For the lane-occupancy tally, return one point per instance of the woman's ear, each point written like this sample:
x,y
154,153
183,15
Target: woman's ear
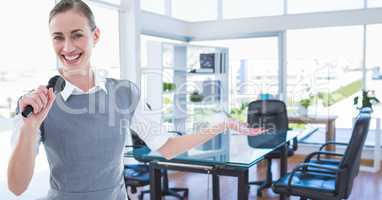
x,y
96,35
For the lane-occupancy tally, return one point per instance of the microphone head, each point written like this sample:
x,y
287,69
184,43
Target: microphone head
x,y
57,83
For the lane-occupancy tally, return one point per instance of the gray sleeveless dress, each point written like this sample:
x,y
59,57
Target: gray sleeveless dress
x,y
84,140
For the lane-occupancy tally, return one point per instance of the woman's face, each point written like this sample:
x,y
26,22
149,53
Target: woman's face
x,y
73,40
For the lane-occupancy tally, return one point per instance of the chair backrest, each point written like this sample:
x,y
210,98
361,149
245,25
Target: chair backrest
x,y
350,162
270,114
137,144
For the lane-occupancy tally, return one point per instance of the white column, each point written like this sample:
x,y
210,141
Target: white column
x,y
167,8
129,40
282,43
364,73
220,9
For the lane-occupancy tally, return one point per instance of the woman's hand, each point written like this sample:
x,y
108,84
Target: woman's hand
x,y
41,100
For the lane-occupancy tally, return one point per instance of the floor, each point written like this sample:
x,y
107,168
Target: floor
x,y
367,185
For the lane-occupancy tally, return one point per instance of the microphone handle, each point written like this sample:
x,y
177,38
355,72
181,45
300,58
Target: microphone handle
x,y
28,110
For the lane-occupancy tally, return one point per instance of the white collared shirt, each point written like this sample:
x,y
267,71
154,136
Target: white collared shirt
x,y
155,135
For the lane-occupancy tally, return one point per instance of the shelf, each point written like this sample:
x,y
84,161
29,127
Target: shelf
x,y
168,93
202,73
176,69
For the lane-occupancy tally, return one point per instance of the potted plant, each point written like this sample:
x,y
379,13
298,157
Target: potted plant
x,y
240,112
368,100
304,105
196,97
168,87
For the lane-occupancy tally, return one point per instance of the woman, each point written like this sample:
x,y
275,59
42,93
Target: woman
x,y
82,135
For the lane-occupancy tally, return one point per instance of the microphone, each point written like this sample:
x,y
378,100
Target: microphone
x,y
57,83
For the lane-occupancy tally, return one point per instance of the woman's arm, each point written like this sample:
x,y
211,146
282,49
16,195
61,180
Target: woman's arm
x,y
177,145
22,161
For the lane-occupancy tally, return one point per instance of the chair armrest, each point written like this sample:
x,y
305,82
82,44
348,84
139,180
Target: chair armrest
x,y
318,153
330,152
304,167
332,143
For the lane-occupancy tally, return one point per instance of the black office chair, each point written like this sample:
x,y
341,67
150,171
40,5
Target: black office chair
x,y
336,160
269,114
321,182
138,175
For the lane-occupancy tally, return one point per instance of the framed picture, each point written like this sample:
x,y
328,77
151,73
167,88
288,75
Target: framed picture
x,y
207,61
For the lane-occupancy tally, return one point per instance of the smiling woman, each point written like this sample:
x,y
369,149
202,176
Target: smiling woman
x,y
74,34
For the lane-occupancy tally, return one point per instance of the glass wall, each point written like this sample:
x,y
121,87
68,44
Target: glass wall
x,y
155,6
27,61
27,57
252,8
374,3
105,56
325,69
374,62
303,6
195,10
202,10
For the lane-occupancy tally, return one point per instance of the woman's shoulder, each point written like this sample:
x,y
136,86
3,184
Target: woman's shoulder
x,y
121,82
122,85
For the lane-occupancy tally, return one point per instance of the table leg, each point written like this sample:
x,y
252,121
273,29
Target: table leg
x,y
330,135
215,187
155,182
242,186
283,164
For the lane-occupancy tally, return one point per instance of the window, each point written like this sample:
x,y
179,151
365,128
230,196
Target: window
x,y
304,6
27,61
106,52
373,73
27,58
325,66
374,62
251,8
155,6
195,10
117,2
374,3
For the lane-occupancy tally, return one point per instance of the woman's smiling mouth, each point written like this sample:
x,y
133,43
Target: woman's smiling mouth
x,y
72,59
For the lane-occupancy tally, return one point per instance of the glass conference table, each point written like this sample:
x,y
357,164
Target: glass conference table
x,y
240,155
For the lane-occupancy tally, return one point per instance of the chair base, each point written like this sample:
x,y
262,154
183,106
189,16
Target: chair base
x,y
174,192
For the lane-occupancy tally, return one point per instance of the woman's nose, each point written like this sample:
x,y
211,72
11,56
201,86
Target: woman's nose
x,y
68,46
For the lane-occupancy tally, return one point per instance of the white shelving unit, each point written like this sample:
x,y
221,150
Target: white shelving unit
x,y
173,63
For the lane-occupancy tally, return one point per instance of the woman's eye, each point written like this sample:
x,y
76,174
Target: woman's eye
x,y
77,36
58,38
